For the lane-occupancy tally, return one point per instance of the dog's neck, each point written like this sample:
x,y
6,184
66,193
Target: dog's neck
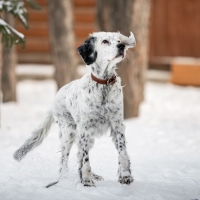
x,y
103,72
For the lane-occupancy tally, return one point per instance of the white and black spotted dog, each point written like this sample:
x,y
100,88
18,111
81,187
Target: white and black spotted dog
x,y
90,106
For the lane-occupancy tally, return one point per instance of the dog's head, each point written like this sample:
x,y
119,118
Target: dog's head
x,y
106,48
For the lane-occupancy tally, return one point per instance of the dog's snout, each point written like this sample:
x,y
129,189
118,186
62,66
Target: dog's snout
x,y
121,46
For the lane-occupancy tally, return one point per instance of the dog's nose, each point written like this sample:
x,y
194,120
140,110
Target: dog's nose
x,y
121,46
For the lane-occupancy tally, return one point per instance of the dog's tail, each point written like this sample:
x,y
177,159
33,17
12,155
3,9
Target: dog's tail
x,y
37,137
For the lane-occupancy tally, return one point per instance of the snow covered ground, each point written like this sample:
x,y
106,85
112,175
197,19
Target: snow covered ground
x,y
163,144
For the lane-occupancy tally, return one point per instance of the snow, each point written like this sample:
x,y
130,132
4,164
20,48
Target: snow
x,y
16,8
20,35
163,145
45,70
9,29
2,22
35,69
158,75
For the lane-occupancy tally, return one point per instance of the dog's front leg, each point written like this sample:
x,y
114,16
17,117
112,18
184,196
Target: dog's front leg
x,y
83,156
124,171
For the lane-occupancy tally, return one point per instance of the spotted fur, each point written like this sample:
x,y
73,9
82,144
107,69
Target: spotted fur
x,y
85,109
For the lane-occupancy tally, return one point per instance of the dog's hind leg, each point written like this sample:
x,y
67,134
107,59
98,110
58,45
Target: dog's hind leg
x,y
85,141
67,137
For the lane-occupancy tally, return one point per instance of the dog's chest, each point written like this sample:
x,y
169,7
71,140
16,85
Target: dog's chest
x,y
93,104
102,102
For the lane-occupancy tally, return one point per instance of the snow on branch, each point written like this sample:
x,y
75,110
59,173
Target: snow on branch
x,y
17,8
10,36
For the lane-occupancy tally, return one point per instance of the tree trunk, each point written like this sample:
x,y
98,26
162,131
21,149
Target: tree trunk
x,y
62,40
9,62
126,16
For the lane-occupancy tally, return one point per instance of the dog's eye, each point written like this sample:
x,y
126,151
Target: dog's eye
x,y
105,42
118,41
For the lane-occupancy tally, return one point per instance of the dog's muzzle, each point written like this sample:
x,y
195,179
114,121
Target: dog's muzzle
x,y
121,48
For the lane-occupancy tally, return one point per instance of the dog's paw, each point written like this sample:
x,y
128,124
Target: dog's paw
x,y
88,183
97,177
126,180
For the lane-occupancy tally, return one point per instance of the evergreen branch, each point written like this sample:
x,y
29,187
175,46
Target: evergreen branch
x,y
10,36
16,8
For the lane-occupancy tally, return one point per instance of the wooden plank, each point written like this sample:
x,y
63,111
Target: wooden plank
x,y
41,2
40,16
34,57
83,30
43,9
84,15
38,32
175,28
84,3
158,37
35,47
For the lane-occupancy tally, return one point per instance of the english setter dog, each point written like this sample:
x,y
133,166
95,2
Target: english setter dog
x,y
90,106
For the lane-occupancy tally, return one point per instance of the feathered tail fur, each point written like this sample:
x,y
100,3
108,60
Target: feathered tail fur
x,y
37,137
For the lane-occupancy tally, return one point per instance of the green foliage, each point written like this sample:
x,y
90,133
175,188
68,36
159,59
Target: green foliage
x,y
17,8
10,36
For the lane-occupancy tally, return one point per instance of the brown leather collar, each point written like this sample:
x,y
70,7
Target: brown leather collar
x,y
109,81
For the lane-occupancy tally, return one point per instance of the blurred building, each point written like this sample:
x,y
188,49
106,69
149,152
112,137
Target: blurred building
x,y
174,32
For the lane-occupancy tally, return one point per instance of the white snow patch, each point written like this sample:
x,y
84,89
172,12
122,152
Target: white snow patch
x,y
35,69
2,22
163,144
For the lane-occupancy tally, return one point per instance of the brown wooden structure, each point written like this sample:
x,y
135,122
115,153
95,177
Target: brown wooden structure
x,y
174,31
37,46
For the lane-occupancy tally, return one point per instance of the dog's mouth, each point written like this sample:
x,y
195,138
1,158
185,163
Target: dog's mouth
x,y
120,54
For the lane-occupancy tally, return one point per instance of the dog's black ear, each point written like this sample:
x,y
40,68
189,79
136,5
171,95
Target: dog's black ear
x,y
87,51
